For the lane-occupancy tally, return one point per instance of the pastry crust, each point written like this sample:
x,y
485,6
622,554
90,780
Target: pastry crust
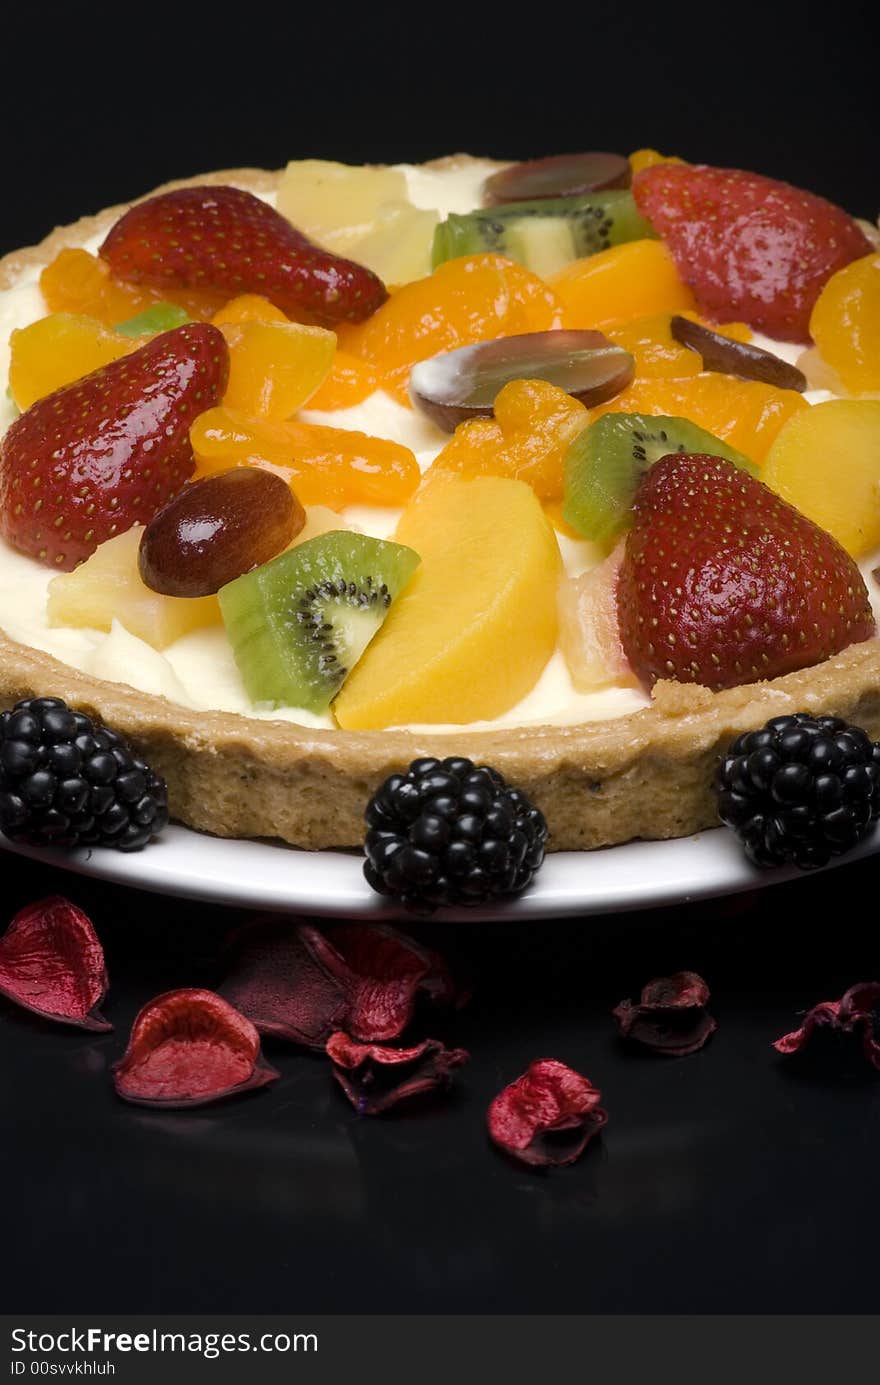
x,y
648,774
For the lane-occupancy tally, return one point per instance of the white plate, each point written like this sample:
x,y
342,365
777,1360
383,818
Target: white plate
x,y
269,875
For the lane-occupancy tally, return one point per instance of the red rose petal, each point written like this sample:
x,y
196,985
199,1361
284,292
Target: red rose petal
x,y
671,1017
51,962
375,1078
547,1116
299,983
858,1009
188,1047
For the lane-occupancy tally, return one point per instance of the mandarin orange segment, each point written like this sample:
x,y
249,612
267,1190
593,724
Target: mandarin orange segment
x,y
658,356
745,413
275,367
527,439
474,298
78,282
58,349
325,466
350,382
249,307
630,280
845,324
647,158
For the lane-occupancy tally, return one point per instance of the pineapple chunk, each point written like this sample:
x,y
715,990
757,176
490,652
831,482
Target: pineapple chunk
x,y
398,248
108,587
337,204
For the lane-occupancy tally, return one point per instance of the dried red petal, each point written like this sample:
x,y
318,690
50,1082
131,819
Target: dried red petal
x,y
51,962
375,1078
547,1116
188,1047
298,983
858,1009
671,1017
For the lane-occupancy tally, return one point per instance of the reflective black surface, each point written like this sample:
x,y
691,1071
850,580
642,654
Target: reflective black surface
x,y
732,1180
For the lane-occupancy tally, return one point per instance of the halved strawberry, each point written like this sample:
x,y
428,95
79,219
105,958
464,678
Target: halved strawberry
x,y
723,582
750,247
224,238
108,451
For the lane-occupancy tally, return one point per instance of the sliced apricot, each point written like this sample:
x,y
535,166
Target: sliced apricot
x,y
527,439
745,413
325,466
474,298
249,307
78,282
58,349
350,382
630,280
275,367
845,324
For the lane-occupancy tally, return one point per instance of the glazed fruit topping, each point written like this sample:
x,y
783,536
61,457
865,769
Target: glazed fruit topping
x,y
463,384
800,790
216,529
845,325
723,583
750,247
450,832
107,451
52,963
548,1116
67,781
740,358
560,175
189,1047
228,240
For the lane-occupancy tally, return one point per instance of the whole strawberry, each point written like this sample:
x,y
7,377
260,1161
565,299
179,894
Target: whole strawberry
x,y
722,582
751,248
108,451
224,238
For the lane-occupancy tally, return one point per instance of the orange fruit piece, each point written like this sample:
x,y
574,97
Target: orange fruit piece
x,y
350,382
474,298
325,466
77,282
275,367
845,324
249,307
658,355
630,280
527,439
647,158
746,413
58,349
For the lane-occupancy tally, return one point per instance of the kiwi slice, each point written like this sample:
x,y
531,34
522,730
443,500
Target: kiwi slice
x,y
161,317
546,234
606,462
299,624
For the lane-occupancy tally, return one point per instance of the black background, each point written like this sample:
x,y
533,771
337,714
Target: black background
x,y
729,1181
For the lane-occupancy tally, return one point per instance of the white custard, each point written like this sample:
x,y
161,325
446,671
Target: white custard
x,y
199,670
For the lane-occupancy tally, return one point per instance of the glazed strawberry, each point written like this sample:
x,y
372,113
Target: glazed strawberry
x,y
751,248
108,451
723,582
224,238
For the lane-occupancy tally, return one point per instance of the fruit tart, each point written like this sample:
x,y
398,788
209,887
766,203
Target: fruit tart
x,y
568,466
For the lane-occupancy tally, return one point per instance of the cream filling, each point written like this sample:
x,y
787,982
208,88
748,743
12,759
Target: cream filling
x,y
199,670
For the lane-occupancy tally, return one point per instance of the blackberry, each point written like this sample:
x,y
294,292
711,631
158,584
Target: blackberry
x,y
800,790
448,832
67,781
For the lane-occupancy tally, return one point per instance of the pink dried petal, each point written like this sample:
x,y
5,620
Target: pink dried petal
x,y
52,962
547,1116
281,980
670,1017
188,1047
376,1078
858,1009
299,983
